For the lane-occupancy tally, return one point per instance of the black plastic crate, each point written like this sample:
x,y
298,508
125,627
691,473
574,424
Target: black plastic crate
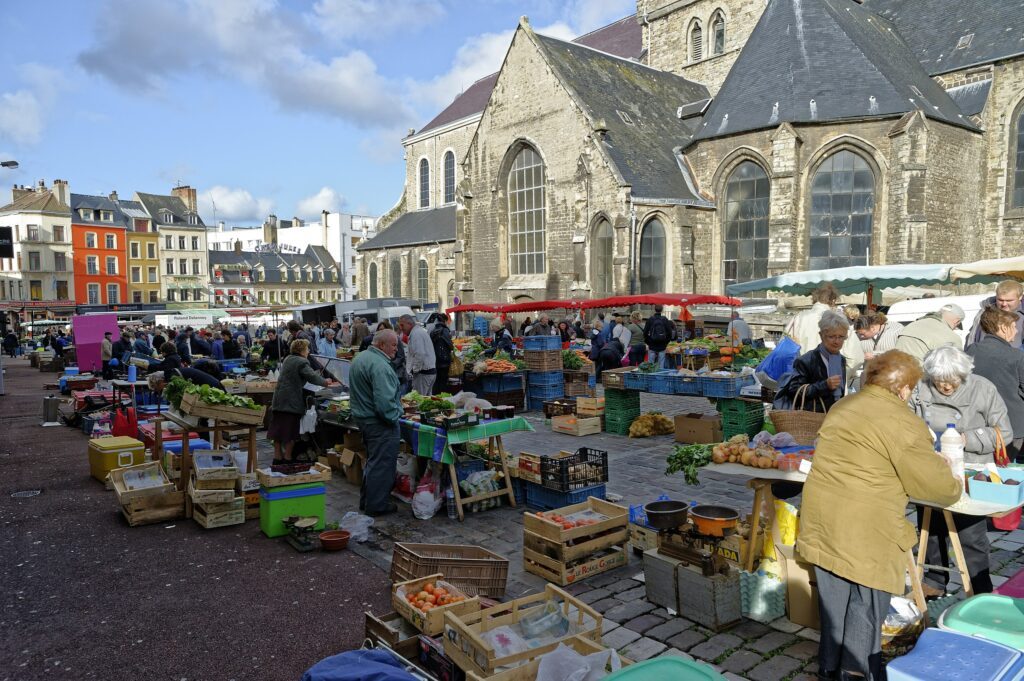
x,y
567,472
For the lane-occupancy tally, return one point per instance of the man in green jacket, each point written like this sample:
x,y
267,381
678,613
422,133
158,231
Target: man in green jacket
x,y
376,407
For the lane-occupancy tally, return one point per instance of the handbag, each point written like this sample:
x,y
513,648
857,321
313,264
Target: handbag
x,y
802,425
1010,521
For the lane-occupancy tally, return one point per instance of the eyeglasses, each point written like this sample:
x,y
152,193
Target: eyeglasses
x,y
834,338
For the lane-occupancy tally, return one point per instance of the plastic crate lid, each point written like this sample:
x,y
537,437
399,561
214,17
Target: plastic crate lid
x,y
950,656
659,669
174,446
990,616
115,443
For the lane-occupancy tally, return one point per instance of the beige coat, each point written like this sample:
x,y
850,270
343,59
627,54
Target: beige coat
x,y
926,334
873,453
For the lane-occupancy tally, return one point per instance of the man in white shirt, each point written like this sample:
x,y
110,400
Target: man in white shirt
x,y
419,354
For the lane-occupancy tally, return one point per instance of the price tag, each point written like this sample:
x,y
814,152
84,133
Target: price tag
x,y
805,466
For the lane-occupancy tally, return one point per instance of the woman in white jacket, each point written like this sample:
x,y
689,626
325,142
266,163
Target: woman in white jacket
x,y
803,329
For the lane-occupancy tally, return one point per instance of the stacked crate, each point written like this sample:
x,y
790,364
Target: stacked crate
x,y
544,362
564,554
741,416
621,407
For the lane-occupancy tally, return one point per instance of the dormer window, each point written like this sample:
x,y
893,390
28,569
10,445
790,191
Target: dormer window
x,y
86,213
106,216
193,219
166,217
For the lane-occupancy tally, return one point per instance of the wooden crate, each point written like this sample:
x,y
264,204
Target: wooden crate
x,y
529,467
210,496
574,425
543,360
528,670
321,474
193,406
580,548
589,406
393,631
210,516
124,494
618,517
579,390
214,474
430,623
614,378
563,574
464,644
155,508
642,538
472,569
260,387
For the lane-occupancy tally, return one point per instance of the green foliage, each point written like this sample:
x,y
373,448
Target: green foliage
x,y
175,390
688,459
211,395
647,368
571,361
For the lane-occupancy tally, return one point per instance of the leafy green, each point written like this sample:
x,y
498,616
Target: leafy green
x,y
211,395
501,354
571,361
647,367
688,459
175,390
436,404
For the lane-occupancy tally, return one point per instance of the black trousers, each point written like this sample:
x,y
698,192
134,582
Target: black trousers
x,y
851,626
974,541
381,440
108,373
441,381
1015,449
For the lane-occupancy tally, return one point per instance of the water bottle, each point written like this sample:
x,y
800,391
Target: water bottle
x,y
449,500
133,373
951,445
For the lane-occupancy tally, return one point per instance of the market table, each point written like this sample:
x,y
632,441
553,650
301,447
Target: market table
x,y
121,387
435,443
764,477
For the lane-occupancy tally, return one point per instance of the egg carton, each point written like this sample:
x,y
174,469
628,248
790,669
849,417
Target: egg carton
x,y
762,598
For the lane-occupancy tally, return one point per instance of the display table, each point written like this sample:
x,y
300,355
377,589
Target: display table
x,y
435,444
120,388
764,477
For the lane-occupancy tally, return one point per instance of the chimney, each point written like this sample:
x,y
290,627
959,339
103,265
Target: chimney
x,y
60,191
270,230
220,226
238,246
18,191
188,195
113,196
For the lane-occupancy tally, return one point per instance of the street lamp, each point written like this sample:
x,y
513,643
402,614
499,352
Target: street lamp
x,y
9,164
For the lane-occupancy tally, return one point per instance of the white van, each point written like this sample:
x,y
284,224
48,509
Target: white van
x,y
374,315
907,311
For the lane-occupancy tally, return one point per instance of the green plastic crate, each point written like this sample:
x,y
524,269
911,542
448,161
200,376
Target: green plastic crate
x,y
277,503
739,406
617,427
617,397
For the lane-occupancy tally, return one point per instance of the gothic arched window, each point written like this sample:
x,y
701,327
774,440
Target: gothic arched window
x,y
842,212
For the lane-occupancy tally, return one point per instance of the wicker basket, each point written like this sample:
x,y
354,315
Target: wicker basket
x,y
473,569
802,425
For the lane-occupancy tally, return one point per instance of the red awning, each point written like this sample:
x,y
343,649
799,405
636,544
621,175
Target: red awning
x,y
475,307
219,292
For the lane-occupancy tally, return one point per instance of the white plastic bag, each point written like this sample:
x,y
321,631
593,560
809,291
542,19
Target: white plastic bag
x,y
565,664
428,497
357,525
405,477
308,422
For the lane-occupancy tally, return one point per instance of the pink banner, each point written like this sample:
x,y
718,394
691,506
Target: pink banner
x,y
89,330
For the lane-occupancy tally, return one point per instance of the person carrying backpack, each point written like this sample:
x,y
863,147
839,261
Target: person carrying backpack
x,y
441,338
658,332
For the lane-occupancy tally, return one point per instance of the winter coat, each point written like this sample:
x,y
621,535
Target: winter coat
x,y
975,409
803,328
295,372
374,387
853,512
1003,365
670,332
420,351
106,350
884,341
539,329
926,334
810,369
360,331
975,334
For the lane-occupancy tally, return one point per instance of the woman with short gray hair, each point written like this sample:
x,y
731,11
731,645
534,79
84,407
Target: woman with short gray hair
x,y
822,370
951,394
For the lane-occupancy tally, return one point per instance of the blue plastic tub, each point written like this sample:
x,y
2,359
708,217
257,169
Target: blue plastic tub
x,y
989,616
997,492
466,467
194,444
499,383
722,386
635,380
664,668
545,378
546,392
951,656
662,382
687,385
535,403
542,343
538,496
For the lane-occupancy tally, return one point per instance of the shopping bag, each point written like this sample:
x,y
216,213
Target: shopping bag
x,y
125,423
1010,521
308,422
781,359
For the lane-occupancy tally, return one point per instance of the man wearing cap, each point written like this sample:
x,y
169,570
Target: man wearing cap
x,y
932,331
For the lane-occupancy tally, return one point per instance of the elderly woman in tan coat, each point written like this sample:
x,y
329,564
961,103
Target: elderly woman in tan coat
x,y
872,454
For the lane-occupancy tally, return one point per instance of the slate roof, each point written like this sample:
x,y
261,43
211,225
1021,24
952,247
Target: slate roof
x,y
436,225
623,38
971,98
45,201
638,105
154,203
827,60
933,29
313,257
80,201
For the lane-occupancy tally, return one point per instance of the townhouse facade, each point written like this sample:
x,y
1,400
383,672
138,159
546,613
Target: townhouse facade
x,y
98,240
185,273
42,268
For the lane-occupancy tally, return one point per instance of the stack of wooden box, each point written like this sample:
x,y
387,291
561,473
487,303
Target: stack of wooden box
x,y
575,542
212,491
145,494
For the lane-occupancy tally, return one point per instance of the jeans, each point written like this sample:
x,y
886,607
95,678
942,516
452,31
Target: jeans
x,y
381,440
851,625
657,357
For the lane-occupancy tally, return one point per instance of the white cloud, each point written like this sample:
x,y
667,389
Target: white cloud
x,y
233,205
344,19
256,41
327,199
24,112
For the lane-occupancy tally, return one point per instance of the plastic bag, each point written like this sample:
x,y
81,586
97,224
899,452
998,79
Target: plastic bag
x,y
780,360
357,524
902,626
428,497
565,664
308,422
786,522
405,477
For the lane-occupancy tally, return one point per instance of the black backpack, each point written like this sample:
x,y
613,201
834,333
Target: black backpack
x,y
659,331
442,347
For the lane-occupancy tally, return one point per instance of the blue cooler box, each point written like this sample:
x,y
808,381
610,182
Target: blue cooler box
x,y
950,656
174,446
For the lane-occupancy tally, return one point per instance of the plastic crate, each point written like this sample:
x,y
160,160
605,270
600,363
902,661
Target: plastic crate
x,y
740,406
579,390
466,467
538,496
543,360
941,655
762,597
542,343
592,381
724,386
636,380
545,378
585,467
621,398
481,325
508,398
535,403
546,392
687,385
519,491
617,427
498,383
475,570
662,382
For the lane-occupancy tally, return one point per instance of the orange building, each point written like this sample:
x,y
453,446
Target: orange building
x,y
100,256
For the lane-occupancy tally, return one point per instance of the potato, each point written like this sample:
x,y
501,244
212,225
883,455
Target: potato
x,y
718,456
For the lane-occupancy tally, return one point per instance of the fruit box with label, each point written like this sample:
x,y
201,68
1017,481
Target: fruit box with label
x,y
423,614
575,542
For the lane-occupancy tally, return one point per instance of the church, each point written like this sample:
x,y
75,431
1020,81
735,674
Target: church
x,y
701,143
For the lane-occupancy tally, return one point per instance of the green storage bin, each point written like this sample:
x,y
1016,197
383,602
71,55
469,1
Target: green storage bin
x,y
661,668
989,616
277,503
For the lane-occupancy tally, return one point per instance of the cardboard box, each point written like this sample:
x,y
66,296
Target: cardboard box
x,y
698,428
801,587
353,440
352,462
433,659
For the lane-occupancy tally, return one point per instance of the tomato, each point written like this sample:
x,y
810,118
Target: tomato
x,y
429,587
422,596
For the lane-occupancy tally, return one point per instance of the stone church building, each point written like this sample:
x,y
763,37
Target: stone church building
x,y
705,142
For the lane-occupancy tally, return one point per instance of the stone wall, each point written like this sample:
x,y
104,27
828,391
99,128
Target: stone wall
x,y
440,271
433,148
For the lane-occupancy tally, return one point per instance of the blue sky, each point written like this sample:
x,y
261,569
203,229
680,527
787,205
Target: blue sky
x,y
286,106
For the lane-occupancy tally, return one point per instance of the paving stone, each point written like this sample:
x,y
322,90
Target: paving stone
x,y
675,652
619,637
594,595
811,668
749,629
644,622
667,630
783,624
620,585
606,579
741,660
999,580
772,641
1008,545
644,649
729,676
627,611
686,639
606,604
632,594
662,612
713,648
774,668
804,676
804,650
608,625
578,588
809,634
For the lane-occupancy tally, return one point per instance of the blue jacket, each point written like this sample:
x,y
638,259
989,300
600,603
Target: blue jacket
x,y
218,349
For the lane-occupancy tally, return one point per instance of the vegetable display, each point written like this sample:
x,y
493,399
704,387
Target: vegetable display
x,y
688,459
498,366
175,390
650,424
211,395
571,361
647,367
737,450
